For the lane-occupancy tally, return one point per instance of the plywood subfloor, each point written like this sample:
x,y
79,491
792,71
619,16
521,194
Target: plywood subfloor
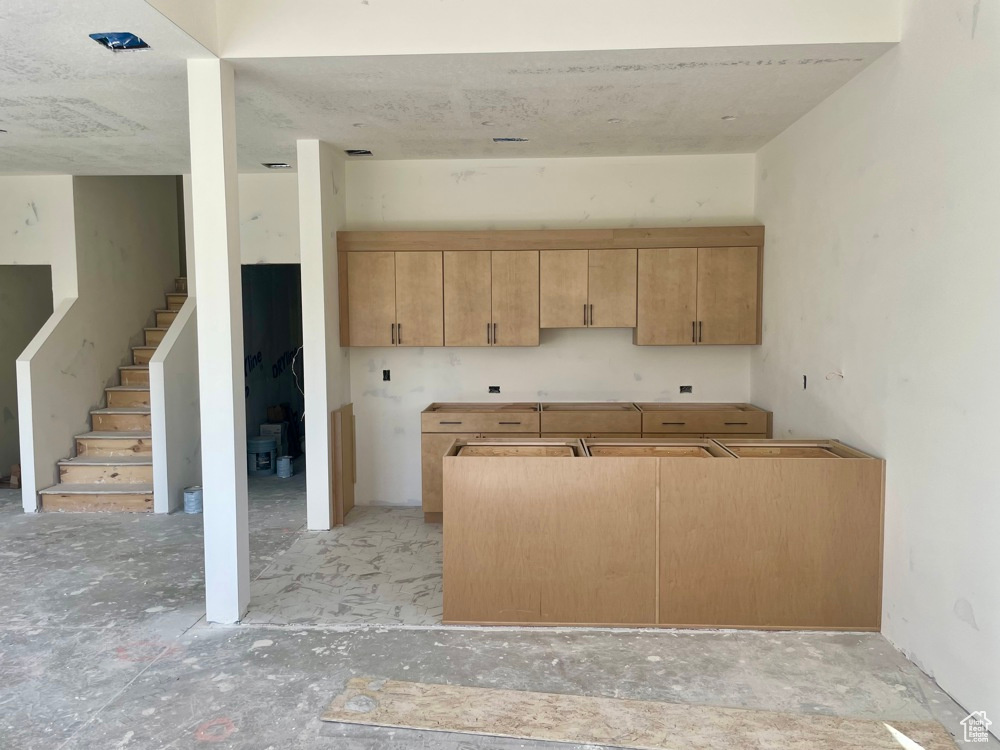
x,y
645,725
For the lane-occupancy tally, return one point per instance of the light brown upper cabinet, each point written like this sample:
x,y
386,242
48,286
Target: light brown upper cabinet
x,y
708,295
395,299
491,298
588,288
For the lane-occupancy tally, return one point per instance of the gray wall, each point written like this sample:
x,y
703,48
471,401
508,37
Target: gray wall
x,y
25,305
272,332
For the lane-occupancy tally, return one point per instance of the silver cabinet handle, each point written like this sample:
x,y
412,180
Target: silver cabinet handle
x,y
694,335
699,331
509,423
399,333
494,334
735,423
591,315
673,424
392,329
585,313
442,422
488,334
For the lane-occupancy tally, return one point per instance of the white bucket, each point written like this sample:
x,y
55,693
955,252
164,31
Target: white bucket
x,y
192,499
284,467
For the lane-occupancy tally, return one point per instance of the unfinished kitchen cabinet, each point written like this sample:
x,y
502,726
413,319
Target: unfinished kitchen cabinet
x,y
514,305
787,535
691,296
588,288
490,298
442,424
590,419
728,295
395,299
706,420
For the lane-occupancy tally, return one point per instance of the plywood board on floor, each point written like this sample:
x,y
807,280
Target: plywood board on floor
x,y
594,720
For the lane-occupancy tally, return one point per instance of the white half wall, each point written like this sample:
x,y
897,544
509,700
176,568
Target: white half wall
x,y
881,285
176,417
269,218
326,371
570,365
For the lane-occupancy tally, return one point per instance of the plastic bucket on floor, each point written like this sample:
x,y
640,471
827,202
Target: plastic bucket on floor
x,y
284,467
193,499
262,454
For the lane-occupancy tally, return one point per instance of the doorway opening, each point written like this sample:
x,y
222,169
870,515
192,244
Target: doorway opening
x,y
25,305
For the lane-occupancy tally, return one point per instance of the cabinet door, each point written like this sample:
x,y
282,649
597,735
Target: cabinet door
x,y
515,297
728,294
371,294
433,446
612,288
419,299
667,296
468,312
563,278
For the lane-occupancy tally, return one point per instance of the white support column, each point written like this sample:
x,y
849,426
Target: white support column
x,y
215,204
322,207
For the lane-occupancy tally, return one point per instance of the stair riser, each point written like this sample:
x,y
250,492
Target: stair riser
x,y
153,338
140,503
120,422
120,474
119,399
176,301
181,285
142,356
164,319
135,377
111,447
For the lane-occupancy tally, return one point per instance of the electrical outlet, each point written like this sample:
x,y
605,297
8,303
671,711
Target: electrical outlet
x,y
385,375
687,389
494,389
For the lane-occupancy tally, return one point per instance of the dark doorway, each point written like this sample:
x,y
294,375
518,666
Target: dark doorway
x,y
272,336
25,305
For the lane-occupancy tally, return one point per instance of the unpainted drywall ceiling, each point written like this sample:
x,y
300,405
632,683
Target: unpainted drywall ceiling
x,y
70,106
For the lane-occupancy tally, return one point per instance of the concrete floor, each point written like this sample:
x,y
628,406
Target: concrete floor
x,y
102,645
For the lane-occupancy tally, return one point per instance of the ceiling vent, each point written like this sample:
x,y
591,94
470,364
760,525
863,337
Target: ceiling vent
x,y
119,41
510,140
276,165
358,152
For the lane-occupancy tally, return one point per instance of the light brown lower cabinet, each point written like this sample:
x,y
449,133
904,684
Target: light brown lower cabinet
x,y
697,533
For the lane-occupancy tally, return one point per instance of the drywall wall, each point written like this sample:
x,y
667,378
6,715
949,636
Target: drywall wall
x,y
326,371
127,256
269,218
881,285
259,28
176,407
25,305
569,365
36,227
272,334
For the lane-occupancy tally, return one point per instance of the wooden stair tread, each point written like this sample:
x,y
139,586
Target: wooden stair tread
x,y
129,388
139,460
133,367
97,489
166,311
116,434
144,346
155,328
123,410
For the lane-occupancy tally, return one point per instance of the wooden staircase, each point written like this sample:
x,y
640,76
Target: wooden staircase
x,y
113,466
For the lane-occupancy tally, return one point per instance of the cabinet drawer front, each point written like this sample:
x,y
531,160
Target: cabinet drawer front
x,y
479,422
722,421
591,421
